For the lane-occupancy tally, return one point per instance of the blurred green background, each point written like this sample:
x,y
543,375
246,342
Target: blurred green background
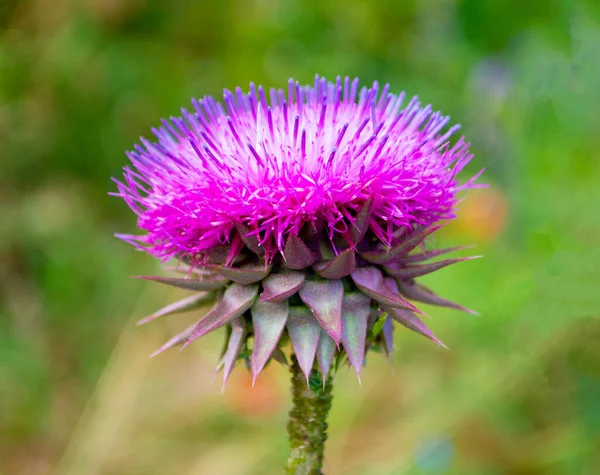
x,y
519,390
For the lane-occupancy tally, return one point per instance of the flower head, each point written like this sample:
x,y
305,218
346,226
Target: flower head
x,y
309,155
317,195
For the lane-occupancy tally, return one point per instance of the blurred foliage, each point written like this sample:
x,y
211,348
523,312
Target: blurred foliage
x,y
519,391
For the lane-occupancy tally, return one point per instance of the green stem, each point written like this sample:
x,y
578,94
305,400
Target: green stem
x,y
307,426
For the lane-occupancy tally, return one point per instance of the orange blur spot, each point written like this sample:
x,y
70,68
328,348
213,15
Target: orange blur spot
x,y
483,215
262,399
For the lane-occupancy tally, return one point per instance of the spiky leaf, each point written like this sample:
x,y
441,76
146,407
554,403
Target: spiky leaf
x,y
340,266
370,282
420,293
399,250
279,287
410,272
236,340
412,322
361,225
176,340
268,320
388,336
304,331
425,256
250,240
245,274
182,268
296,254
355,315
408,318
180,306
236,300
324,298
223,254
325,353
213,283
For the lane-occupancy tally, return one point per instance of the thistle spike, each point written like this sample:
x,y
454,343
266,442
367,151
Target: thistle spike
x,y
214,283
223,254
236,341
412,322
296,254
304,331
279,287
268,321
370,282
179,338
430,254
245,274
400,250
325,301
388,336
340,266
410,272
325,353
180,306
183,268
235,301
420,293
250,240
361,224
355,316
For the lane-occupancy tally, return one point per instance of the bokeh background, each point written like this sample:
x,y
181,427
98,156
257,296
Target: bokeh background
x,y
519,391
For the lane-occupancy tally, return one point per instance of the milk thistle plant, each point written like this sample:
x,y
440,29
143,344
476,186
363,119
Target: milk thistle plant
x,y
301,215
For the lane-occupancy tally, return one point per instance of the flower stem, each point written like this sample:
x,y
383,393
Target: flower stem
x,y
307,426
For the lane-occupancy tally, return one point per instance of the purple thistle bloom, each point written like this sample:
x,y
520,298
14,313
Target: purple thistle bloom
x,y
318,196
311,155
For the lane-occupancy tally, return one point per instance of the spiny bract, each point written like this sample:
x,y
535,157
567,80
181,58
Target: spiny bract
x,y
298,217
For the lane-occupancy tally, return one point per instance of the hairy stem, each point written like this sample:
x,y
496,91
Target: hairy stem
x,y
307,426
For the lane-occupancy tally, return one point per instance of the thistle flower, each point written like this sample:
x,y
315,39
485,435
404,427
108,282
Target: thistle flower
x,y
302,216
